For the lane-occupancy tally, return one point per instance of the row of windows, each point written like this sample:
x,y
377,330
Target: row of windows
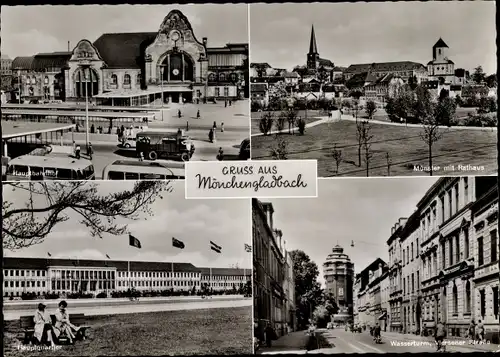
x,y
411,288
149,274
127,79
233,77
18,272
83,274
22,284
33,80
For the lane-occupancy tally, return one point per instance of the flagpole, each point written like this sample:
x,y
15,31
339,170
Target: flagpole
x,y
210,286
128,274
172,276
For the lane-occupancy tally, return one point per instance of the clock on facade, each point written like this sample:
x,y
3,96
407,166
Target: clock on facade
x,y
175,36
175,71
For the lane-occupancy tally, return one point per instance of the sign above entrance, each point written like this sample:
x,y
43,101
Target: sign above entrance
x,y
84,53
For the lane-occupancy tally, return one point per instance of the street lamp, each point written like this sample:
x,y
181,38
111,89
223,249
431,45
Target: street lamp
x,y
84,67
162,71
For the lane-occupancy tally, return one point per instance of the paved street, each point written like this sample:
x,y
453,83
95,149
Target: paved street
x,y
294,342
140,306
347,342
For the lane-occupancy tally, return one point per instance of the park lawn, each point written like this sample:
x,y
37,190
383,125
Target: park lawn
x,y
208,331
404,145
312,116
461,114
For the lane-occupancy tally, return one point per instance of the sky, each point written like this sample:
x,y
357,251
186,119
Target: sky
x,y
355,33
195,222
27,30
355,209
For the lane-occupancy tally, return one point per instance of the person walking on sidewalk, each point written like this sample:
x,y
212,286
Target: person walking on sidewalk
x,y
471,333
220,156
74,148
222,127
77,152
479,331
198,116
439,335
90,151
268,333
211,135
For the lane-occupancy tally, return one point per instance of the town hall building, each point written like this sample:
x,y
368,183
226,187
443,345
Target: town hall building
x,y
137,68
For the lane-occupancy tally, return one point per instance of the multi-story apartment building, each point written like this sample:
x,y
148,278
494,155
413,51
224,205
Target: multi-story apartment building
x,y
484,296
355,301
395,321
268,270
409,238
65,276
385,296
370,296
446,260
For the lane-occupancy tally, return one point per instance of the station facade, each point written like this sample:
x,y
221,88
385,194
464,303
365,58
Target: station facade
x,y
171,64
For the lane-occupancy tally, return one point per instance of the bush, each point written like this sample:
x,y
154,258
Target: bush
x,y
481,120
255,106
28,296
301,123
51,296
266,123
80,295
102,295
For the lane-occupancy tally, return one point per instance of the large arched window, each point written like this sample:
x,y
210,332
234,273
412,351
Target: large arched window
x,y
46,80
211,77
455,298
114,79
139,79
126,79
178,67
222,77
33,80
86,82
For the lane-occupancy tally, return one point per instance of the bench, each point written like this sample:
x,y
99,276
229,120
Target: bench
x,y
28,326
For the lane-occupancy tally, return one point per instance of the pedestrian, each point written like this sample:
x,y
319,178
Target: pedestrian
x,y
90,151
179,114
222,127
230,102
472,330
198,114
92,129
74,148
77,152
439,335
269,332
77,127
220,155
141,156
211,135
480,331
225,103
214,126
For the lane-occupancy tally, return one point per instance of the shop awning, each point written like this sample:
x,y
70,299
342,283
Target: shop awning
x,y
383,316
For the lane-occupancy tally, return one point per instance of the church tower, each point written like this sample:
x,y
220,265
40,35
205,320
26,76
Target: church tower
x,y
313,55
440,51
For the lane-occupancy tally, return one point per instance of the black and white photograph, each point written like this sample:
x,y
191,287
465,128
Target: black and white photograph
x,y
381,265
376,89
128,268
123,92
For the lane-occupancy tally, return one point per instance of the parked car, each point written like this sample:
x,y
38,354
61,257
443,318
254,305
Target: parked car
x,y
129,143
244,149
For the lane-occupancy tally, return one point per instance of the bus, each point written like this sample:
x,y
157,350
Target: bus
x,y
157,144
49,167
141,170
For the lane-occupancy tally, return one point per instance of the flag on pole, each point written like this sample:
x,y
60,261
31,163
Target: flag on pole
x,y
248,248
107,256
177,243
49,254
215,247
134,242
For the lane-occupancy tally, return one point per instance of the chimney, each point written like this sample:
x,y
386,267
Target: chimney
x,y
268,207
69,46
205,42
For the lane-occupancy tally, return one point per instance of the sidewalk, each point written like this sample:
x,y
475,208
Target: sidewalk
x,y
464,341
295,341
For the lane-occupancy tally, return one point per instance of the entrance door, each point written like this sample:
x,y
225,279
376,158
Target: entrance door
x,y
175,97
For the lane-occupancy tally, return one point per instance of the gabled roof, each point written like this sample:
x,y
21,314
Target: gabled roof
x,y
123,50
51,60
440,43
226,271
358,80
326,62
264,65
291,75
384,66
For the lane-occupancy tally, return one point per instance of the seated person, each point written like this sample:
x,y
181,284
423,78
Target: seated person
x,y
43,326
63,325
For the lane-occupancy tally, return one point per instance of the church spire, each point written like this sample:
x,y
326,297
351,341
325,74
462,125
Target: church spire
x,y
312,45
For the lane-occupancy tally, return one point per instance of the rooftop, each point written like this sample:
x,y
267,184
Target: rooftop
x,y
11,129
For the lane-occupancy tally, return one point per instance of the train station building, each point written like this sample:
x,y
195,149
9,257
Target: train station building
x,y
130,68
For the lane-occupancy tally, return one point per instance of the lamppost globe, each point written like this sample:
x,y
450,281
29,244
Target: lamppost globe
x,y
86,66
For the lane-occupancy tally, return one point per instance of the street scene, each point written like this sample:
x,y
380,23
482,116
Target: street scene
x,y
110,102
130,269
368,96
422,270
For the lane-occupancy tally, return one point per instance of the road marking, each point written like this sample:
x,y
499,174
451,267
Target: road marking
x,y
373,348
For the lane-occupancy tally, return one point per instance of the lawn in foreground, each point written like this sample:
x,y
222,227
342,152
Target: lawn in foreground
x,y
207,331
404,145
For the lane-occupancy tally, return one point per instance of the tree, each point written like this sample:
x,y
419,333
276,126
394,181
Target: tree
x,y
279,151
445,111
291,118
430,134
445,93
30,223
301,123
478,76
422,106
323,76
412,82
370,109
356,108
280,121
491,80
308,293
337,156
266,123
366,140
389,163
